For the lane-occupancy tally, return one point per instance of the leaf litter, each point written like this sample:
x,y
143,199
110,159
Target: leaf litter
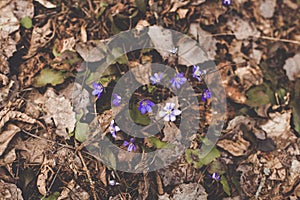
x,y
260,141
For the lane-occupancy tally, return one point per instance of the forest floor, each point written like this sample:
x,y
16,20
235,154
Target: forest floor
x,y
150,99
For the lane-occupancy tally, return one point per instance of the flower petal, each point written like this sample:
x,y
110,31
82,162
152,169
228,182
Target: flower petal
x,y
125,144
176,112
117,128
167,118
172,118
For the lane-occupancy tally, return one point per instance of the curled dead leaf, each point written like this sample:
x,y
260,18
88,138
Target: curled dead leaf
x,y
238,147
10,191
278,128
41,36
7,135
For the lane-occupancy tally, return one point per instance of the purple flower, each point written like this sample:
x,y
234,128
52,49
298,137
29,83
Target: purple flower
x,y
178,80
156,78
206,95
130,145
226,2
113,129
215,176
98,89
169,113
117,100
146,106
197,73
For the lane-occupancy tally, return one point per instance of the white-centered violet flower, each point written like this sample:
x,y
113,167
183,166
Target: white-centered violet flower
x,y
178,80
197,73
113,129
169,112
156,78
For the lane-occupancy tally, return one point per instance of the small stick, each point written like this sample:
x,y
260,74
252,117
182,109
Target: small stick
x,y
88,174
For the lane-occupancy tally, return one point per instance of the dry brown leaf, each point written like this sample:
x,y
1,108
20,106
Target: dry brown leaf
x,y
78,96
238,146
10,191
291,4
162,40
278,128
8,21
73,191
182,13
46,4
141,72
92,51
189,53
68,44
8,158
59,111
193,191
33,150
7,135
292,67
7,48
45,176
103,175
177,4
5,90
267,8
171,132
249,76
41,36
206,41
23,8
242,29
250,123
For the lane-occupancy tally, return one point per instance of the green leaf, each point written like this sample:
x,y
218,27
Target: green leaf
x,y
193,157
111,157
225,185
26,22
258,96
81,131
137,117
159,144
141,5
213,154
48,76
151,88
216,166
53,196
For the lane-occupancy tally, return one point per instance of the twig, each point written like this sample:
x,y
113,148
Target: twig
x,y
259,37
88,174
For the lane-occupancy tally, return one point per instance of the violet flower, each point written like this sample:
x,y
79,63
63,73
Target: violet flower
x,y
113,129
117,100
226,2
130,144
98,89
156,78
197,73
178,80
215,176
146,106
169,113
206,95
